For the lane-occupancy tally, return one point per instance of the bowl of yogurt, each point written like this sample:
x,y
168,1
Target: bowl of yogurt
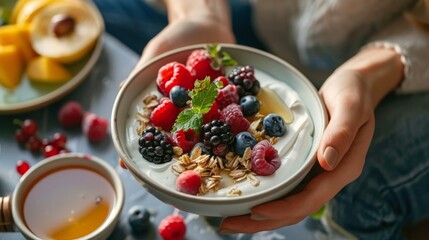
x,y
232,175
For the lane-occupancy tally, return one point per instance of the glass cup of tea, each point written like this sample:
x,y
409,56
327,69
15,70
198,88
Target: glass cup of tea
x,y
68,196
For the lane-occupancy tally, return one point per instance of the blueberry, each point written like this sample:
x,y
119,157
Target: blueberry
x,y
203,149
249,105
274,125
242,141
179,96
139,218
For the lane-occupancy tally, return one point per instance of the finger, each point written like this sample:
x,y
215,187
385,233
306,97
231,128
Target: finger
x,y
346,117
322,188
244,224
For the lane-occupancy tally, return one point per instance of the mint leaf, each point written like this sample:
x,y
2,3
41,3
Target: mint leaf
x,y
219,58
188,119
203,101
227,60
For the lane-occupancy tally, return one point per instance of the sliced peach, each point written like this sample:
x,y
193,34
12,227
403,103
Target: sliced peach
x,y
25,10
11,66
46,70
18,35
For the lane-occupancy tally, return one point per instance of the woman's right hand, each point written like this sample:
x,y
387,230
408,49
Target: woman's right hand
x,y
191,22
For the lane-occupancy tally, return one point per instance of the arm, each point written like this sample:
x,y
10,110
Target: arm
x,y
351,94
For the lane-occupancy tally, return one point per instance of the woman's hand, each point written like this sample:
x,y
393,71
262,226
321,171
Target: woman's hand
x,y
350,94
191,22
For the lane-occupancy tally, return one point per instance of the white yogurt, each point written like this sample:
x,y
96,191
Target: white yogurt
x,y
293,148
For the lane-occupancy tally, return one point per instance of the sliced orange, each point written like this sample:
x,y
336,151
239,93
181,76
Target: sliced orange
x,y
46,70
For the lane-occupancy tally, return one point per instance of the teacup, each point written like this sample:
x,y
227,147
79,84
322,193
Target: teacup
x,y
68,196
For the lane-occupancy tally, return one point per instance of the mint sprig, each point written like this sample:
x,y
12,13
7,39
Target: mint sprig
x,y
219,58
202,98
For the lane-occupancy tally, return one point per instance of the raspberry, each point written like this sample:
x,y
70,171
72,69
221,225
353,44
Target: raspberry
x,y
174,74
70,114
172,227
188,182
244,78
185,139
164,115
155,146
201,65
226,96
29,127
212,114
215,133
223,80
265,159
22,167
233,116
94,127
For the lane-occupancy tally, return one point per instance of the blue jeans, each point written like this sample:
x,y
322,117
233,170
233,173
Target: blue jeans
x,y
393,188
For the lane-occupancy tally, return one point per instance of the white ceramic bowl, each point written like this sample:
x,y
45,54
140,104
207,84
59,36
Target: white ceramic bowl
x,y
222,206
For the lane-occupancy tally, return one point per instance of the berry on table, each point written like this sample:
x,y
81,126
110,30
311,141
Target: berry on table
x,y
70,114
226,96
172,227
273,125
50,150
174,74
95,127
265,159
59,140
20,136
242,141
250,105
215,133
155,146
29,127
186,139
139,218
34,144
164,115
188,182
179,96
244,78
22,167
233,116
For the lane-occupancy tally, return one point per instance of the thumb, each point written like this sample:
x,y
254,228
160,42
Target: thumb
x,y
338,136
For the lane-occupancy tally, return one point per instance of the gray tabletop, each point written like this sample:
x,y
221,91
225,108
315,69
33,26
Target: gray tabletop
x,y
97,94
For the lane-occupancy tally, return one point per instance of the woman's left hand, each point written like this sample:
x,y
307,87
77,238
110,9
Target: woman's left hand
x,y
350,96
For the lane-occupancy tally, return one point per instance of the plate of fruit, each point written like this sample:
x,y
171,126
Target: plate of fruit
x,y
47,47
217,129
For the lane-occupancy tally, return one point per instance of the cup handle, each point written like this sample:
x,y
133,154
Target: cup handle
x,y
6,220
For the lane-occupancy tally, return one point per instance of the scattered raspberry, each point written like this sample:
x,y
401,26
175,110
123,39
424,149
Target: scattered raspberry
x,y
223,80
29,127
212,114
22,167
185,139
94,127
201,65
71,114
174,74
164,115
188,182
233,116
226,96
265,159
34,144
50,150
172,227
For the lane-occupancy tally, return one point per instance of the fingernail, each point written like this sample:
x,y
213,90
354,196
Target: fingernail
x,y
331,156
226,231
258,217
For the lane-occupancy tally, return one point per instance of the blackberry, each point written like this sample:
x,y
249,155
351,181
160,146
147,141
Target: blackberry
x,y
244,78
155,146
216,133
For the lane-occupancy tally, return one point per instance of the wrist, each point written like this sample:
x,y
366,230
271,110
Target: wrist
x,y
204,10
381,69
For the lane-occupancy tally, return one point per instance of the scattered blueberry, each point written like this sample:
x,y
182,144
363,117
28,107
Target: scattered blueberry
x,y
249,105
203,149
179,96
139,218
274,125
242,141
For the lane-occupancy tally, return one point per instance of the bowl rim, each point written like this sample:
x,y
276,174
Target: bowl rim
x,y
201,199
